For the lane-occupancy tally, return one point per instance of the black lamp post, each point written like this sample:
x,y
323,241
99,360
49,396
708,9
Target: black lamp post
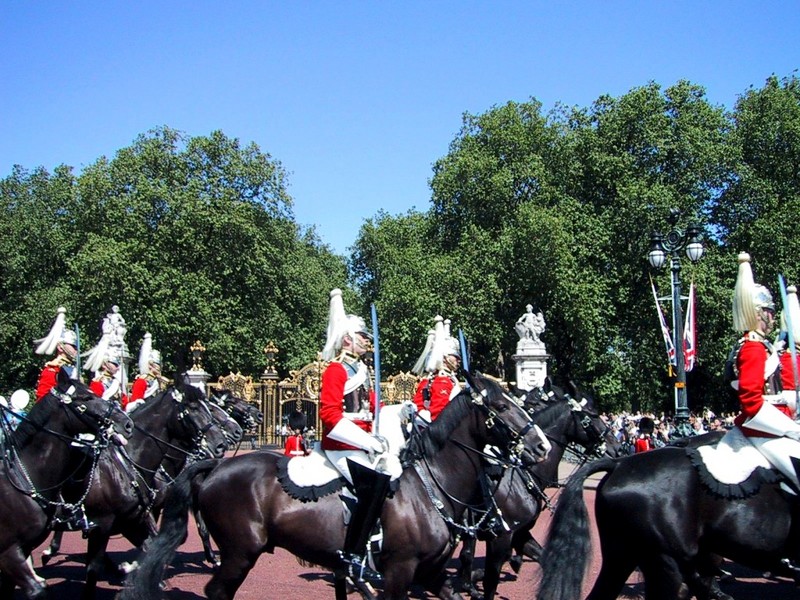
x,y
671,245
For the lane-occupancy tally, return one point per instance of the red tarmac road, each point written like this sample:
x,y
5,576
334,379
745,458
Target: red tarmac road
x,y
280,576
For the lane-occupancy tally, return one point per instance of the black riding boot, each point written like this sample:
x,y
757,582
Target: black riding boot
x,y
371,488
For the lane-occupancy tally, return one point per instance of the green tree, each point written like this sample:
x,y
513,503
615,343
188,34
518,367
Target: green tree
x,y
192,238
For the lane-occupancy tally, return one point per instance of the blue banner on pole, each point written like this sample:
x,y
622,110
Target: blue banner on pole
x,y
377,367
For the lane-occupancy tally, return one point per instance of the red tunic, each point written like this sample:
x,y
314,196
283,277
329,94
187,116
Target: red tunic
x,y
787,374
295,446
47,380
440,389
751,362
98,387
49,376
643,444
332,405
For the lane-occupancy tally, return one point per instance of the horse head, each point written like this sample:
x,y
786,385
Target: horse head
x,y
87,412
195,421
232,430
243,412
509,426
599,439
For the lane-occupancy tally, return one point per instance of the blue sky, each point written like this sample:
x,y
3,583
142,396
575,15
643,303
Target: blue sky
x,y
357,100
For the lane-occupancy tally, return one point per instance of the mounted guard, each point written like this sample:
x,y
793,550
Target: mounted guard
x,y
347,410
149,381
766,418
442,361
62,341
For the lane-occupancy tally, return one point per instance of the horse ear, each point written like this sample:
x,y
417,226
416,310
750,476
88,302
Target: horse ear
x,y
472,380
574,389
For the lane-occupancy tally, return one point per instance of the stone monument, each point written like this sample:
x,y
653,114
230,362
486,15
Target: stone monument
x,y
197,376
531,357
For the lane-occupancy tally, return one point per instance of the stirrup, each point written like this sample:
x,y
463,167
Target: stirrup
x,y
791,568
357,568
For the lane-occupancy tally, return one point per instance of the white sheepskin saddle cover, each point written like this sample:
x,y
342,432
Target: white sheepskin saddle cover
x,y
733,459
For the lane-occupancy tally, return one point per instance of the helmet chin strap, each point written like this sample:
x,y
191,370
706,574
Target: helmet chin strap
x,y
766,325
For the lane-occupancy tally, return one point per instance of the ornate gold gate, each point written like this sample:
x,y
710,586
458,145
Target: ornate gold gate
x,y
277,398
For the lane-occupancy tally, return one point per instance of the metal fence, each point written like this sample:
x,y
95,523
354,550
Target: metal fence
x,y
277,398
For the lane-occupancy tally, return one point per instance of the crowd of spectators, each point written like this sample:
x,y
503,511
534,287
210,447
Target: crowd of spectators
x,y
625,426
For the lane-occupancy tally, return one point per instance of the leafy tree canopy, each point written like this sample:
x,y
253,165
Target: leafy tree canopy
x,y
193,238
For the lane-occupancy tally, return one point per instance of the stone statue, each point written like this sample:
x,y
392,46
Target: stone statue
x,y
530,326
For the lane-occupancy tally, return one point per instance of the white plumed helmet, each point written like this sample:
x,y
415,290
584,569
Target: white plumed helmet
x,y
147,355
443,345
59,334
419,366
748,297
339,325
793,309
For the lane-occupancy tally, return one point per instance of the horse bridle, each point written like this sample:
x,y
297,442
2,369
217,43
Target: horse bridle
x,y
515,448
200,443
103,421
104,424
596,438
516,439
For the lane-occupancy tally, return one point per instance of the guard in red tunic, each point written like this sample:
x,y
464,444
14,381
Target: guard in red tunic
x,y
65,344
645,440
295,443
440,384
107,383
149,381
765,418
347,407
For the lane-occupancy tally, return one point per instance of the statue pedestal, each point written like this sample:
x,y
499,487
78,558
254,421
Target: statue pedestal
x,y
198,379
531,364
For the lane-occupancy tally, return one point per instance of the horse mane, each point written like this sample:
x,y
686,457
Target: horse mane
x,y
35,420
433,438
545,417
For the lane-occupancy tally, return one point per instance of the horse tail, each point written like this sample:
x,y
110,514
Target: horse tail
x,y
566,553
144,582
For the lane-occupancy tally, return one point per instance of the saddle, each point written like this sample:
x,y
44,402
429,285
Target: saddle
x,y
733,468
309,478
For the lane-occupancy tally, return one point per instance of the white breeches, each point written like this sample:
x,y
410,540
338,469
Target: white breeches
x,y
384,463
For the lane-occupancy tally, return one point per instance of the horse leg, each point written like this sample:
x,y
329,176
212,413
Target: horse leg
x,y
18,571
663,579
202,530
498,551
230,575
525,544
53,548
466,558
613,575
397,578
96,558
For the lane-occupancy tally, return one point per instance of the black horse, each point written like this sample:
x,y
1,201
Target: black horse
x,y
244,413
37,461
566,419
248,417
248,512
125,485
654,512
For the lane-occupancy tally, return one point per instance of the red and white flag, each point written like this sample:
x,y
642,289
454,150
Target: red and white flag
x,y
664,329
690,333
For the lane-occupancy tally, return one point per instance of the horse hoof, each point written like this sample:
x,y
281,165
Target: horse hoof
x,y
516,563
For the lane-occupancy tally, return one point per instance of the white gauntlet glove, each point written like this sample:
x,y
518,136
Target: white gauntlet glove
x,y
407,410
